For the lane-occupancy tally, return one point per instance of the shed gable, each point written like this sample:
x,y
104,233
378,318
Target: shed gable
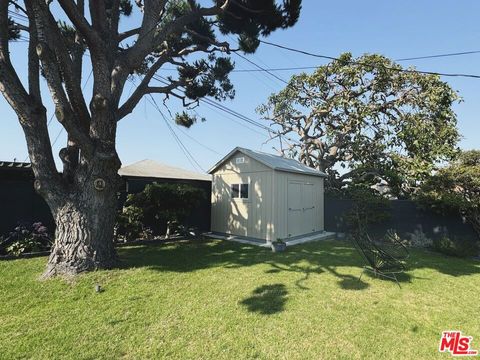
x,y
239,162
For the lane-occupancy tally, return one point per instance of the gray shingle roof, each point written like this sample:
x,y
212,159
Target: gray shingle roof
x,y
152,169
274,162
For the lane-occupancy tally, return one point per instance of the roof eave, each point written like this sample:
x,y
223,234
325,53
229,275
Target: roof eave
x,y
162,177
319,174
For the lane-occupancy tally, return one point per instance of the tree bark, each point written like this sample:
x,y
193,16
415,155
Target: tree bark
x,y
84,215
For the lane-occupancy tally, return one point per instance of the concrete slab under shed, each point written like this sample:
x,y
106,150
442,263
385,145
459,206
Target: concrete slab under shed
x,y
323,235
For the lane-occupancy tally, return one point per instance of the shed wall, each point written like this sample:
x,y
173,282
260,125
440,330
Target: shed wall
x,y
281,180
252,217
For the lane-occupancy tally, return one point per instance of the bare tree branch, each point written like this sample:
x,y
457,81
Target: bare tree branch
x,y
127,34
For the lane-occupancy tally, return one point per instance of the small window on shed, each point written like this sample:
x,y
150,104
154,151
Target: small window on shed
x,y
244,191
235,191
239,191
240,160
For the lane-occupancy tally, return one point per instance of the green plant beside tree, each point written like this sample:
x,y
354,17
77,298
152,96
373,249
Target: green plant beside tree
x,y
455,190
157,204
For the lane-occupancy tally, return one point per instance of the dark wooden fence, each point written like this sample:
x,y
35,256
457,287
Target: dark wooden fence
x,y
19,203
405,216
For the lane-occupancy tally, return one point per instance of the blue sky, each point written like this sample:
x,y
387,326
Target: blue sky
x,y
397,29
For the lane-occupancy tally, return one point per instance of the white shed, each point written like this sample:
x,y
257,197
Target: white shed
x,y
266,197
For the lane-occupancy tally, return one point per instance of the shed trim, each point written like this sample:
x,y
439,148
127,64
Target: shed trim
x,y
269,161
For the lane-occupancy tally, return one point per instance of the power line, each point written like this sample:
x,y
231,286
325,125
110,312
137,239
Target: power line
x,y
233,119
223,108
369,65
17,14
261,68
440,55
234,113
184,149
187,153
276,69
198,142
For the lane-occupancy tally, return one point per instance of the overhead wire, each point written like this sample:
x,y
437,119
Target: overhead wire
x,y
365,64
234,113
184,149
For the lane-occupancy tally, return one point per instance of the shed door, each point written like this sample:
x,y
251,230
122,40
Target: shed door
x,y
308,199
301,208
295,209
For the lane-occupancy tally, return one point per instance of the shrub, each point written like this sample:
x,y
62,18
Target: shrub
x,y
368,208
129,224
25,239
455,189
456,246
170,203
419,239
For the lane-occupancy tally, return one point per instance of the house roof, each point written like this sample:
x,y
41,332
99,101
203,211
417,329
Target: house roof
x,y
152,169
14,165
274,162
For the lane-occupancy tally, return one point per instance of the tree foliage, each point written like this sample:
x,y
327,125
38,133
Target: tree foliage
x,y
366,120
455,189
367,209
167,202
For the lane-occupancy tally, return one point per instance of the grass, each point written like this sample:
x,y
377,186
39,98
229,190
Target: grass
x,y
219,300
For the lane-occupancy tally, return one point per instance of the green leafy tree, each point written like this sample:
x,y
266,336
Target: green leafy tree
x,y
188,34
365,120
368,208
167,202
456,188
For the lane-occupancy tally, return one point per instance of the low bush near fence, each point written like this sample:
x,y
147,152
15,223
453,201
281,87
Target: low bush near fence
x,y
26,238
158,203
456,246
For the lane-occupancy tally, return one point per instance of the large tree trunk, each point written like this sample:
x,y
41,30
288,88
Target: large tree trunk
x,y
84,217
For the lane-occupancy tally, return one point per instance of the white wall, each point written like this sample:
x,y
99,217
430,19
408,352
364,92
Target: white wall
x,y
252,217
281,180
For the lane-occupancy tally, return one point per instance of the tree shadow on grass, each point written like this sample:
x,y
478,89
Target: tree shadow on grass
x,y
305,259
267,299
301,269
347,281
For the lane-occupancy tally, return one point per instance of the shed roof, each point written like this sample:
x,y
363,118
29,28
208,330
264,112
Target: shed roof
x,y
152,169
274,162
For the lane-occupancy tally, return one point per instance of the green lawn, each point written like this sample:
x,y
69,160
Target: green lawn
x,y
220,300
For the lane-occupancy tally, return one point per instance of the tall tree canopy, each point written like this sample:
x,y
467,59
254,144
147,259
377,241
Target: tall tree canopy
x,y
366,120
456,188
187,34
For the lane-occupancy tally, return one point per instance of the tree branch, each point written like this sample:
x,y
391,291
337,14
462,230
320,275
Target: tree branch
x,y
127,34
70,67
141,89
33,61
31,113
63,111
148,41
94,41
